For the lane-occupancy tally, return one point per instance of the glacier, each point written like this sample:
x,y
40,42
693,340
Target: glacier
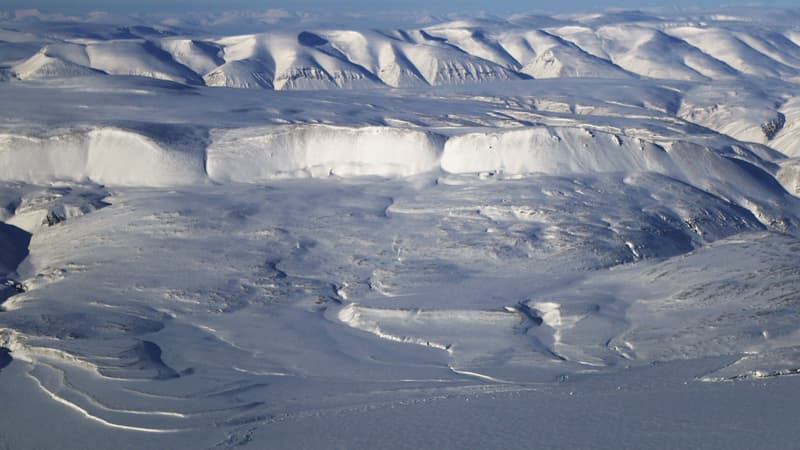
x,y
577,231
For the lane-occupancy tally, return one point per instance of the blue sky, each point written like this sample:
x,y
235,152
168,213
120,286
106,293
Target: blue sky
x,y
490,6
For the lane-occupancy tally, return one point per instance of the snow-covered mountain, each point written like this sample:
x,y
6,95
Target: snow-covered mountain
x,y
298,235
464,51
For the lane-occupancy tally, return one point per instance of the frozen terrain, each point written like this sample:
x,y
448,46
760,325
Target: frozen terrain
x,y
560,232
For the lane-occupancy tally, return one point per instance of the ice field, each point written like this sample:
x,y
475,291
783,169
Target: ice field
x,y
578,231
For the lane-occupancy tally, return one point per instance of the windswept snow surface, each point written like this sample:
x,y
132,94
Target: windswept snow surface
x,y
558,232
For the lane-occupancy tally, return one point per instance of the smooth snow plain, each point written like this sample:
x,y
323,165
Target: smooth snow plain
x,y
542,232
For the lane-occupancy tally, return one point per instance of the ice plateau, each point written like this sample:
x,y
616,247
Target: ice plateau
x,y
577,231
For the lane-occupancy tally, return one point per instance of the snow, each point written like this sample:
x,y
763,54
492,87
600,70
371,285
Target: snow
x,y
553,151
476,232
105,155
42,65
256,155
199,56
612,45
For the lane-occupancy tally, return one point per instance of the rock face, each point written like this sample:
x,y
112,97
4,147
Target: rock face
x,y
9,288
773,126
53,218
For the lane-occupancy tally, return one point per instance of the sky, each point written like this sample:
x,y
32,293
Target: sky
x,y
433,6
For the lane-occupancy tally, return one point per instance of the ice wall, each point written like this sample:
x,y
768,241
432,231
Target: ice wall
x,y
258,154
104,155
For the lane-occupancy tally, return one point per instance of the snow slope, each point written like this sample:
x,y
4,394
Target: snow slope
x,y
695,48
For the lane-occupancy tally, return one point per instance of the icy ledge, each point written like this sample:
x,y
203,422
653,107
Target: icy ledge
x,y
106,155
163,157
118,157
259,154
253,155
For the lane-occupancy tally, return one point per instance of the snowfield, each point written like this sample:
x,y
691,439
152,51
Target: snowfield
x,y
561,232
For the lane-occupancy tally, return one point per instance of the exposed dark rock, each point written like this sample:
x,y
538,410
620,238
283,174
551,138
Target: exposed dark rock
x,y
773,126
53,218
10,288
311,39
